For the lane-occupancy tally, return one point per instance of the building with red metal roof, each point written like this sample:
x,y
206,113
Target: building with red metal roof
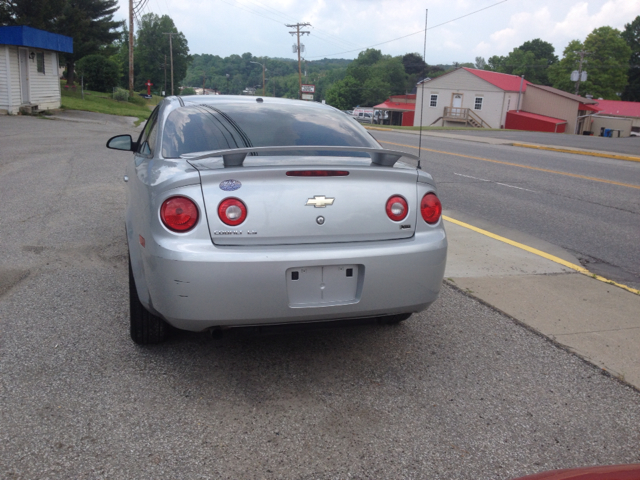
x,y
469,97
398,109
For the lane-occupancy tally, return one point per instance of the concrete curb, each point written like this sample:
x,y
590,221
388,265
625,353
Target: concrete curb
x,y
591,153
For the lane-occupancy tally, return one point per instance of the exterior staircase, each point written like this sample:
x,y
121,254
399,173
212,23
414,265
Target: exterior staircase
x,y
463,115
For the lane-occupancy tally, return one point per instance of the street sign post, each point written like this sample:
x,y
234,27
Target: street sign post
x,y
307,96
308,88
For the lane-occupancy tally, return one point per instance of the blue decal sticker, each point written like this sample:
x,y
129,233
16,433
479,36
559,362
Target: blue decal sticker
x,y
230,185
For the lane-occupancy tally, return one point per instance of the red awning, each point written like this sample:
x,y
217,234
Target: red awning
x,y
589,108
397,106
535,116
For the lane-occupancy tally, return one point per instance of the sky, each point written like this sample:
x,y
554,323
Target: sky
x,y
343,28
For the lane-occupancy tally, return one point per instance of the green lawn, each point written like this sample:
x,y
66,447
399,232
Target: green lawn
x,y
100,102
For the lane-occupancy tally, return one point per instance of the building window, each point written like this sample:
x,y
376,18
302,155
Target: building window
x,y
40,61
433,101
478,104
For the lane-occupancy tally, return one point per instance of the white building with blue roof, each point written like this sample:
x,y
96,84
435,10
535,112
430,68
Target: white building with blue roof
x,y
29,68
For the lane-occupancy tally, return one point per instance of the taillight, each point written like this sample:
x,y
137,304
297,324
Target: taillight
x,y
232,211
430,208
397,208
179,214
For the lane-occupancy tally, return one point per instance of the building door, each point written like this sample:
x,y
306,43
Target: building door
x,y
24,74
457,100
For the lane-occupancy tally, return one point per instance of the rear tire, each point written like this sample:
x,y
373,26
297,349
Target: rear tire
x,y
395,319
145,328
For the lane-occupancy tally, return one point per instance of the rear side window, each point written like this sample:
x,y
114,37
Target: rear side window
x,y
201,128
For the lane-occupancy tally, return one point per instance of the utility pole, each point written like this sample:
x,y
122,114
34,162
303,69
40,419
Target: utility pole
x,y
298,32
582,54
130,47
164,65
171,53
204,77
263,70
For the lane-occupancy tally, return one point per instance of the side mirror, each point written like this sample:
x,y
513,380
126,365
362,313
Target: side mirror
x,y
121,142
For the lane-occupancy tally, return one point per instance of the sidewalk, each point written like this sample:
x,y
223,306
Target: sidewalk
x,y
596,320
515,143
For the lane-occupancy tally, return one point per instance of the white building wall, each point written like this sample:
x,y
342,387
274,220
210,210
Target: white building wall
x,y
4,80
470,86
44,88
14,78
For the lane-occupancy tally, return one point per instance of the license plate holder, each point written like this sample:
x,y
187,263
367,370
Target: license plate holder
x,y
323,285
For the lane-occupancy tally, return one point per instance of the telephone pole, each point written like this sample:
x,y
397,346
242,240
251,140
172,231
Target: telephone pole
x,y
582,54
171,53
299,32
263,70
130,47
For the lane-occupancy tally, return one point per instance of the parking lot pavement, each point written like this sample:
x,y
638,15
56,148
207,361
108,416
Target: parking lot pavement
x,y
459,391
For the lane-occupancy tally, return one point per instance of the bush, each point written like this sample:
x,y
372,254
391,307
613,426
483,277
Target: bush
x,y
188,91
137,100
100,73
121,94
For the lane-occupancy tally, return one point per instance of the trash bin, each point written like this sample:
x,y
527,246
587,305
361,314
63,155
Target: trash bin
x,y
608,132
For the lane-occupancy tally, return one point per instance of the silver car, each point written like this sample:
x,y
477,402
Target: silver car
x,y
245,211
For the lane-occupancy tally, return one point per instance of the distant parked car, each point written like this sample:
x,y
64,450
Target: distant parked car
x,y
254,211
144,95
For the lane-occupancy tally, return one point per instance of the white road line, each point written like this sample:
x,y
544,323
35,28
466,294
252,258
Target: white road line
x,y
497,183
469,176
513,186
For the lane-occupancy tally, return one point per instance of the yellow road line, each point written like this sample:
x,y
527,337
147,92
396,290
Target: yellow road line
x,y
546,170
535,251
579,152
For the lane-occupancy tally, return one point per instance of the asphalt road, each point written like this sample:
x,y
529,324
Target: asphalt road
x,y
458,392
543,194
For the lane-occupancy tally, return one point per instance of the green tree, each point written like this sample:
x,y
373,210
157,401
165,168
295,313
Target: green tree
x,y
344,94
531,59
631,35
42,14
606,64
414,64
100,73
151,47
540,49
374,91
480,63
90,23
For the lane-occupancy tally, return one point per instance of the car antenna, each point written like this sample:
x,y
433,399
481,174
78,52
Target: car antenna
x,y
424,55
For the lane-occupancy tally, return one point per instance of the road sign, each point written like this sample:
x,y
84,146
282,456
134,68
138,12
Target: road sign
x,y
307,96
308,88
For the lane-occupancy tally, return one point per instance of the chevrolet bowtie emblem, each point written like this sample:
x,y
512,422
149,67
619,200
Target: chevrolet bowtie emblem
x,y
320,201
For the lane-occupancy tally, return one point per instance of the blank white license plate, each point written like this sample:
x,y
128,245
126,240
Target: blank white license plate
x,y
321,286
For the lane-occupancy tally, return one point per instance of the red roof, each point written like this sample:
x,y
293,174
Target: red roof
x,y
589,108
535,116
504,81
618,107
389,105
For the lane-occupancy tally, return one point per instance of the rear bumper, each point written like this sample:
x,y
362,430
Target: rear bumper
x,y
199,286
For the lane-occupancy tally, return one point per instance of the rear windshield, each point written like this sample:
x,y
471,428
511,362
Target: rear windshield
x,y
201,128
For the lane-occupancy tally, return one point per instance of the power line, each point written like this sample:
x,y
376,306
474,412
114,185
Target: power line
x,y
414,33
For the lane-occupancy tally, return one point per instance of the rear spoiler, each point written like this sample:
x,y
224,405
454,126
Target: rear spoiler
x,y
235,157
